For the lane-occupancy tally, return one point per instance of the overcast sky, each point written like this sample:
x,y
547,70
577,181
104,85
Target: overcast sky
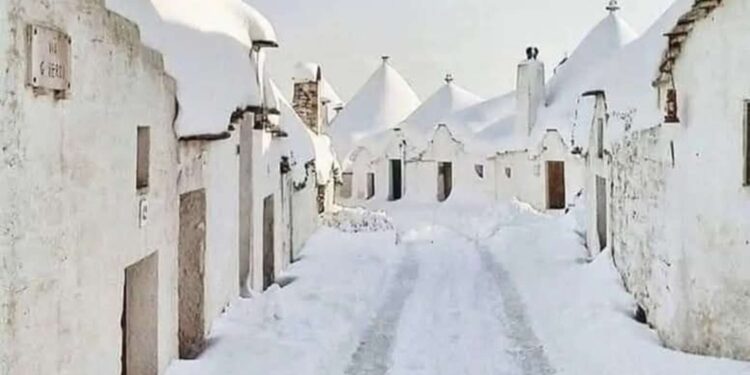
x,y
478,41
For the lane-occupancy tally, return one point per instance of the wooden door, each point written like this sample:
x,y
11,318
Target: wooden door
x,y
555,185
445,181
192,263
268,243
370,185
601,211
396,180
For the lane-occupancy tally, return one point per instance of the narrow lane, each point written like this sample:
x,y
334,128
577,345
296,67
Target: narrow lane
x,y
458,314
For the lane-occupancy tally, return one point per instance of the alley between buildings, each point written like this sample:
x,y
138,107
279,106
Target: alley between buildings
x,y
450,290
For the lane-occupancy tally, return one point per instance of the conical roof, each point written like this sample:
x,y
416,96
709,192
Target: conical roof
x,y
477,117
382,103
608,37
445,102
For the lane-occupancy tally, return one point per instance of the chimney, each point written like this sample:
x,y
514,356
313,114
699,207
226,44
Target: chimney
x,y
306,99
530,92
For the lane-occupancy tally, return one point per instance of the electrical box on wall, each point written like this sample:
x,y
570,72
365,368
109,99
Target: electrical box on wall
x,y
143,213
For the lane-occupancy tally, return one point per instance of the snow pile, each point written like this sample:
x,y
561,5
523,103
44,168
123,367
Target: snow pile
x,y
206,47
312,325
357,220
383,102
581,311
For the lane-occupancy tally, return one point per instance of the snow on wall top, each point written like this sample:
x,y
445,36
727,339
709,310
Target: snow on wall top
x,y
383,102
206,46
438,108
307,72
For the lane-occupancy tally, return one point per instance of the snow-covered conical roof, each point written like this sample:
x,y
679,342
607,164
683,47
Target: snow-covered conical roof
x,y
573,77
382,103
608,37
479,116
445,102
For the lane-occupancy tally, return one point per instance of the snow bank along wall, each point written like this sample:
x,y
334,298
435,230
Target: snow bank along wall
x,y
680,195
70,201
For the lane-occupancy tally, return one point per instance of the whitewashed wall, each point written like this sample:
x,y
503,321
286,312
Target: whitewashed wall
x,y
597,166
69,216
692,277
266,180
305,219
528,181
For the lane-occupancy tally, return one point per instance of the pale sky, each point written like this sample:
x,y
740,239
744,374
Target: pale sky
x,y
478,41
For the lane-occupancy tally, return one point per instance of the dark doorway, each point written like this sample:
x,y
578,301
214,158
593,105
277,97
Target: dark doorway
x,y
555,185
370,185
268,243
397,178
139,320
192,265
445,181
601,211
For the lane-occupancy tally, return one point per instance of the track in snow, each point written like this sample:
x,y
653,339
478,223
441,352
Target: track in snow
x,y
451,310
373,354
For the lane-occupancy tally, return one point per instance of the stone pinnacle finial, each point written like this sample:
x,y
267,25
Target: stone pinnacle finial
x,y
613,6
448,78
385,58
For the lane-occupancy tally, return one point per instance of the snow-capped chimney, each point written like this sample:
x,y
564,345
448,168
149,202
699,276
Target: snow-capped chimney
x,y
530,91
306,100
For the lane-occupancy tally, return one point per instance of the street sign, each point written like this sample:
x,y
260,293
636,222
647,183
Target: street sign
x,y
49,58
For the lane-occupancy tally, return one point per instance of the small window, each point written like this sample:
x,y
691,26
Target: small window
x,y
479,169
600,138
747,144
346,188
508,172
143,157
370,185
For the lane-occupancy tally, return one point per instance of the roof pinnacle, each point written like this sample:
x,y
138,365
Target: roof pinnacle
x,y
613,6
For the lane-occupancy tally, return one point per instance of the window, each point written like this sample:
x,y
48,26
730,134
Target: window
x,y
508,172
143,157
346,187
600,138
747,144
479,169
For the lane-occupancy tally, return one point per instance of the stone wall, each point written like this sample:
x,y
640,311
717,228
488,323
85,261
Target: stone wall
x,y
681,229
306,102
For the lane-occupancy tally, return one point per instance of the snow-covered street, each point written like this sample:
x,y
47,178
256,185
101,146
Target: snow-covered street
x,y
454,290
